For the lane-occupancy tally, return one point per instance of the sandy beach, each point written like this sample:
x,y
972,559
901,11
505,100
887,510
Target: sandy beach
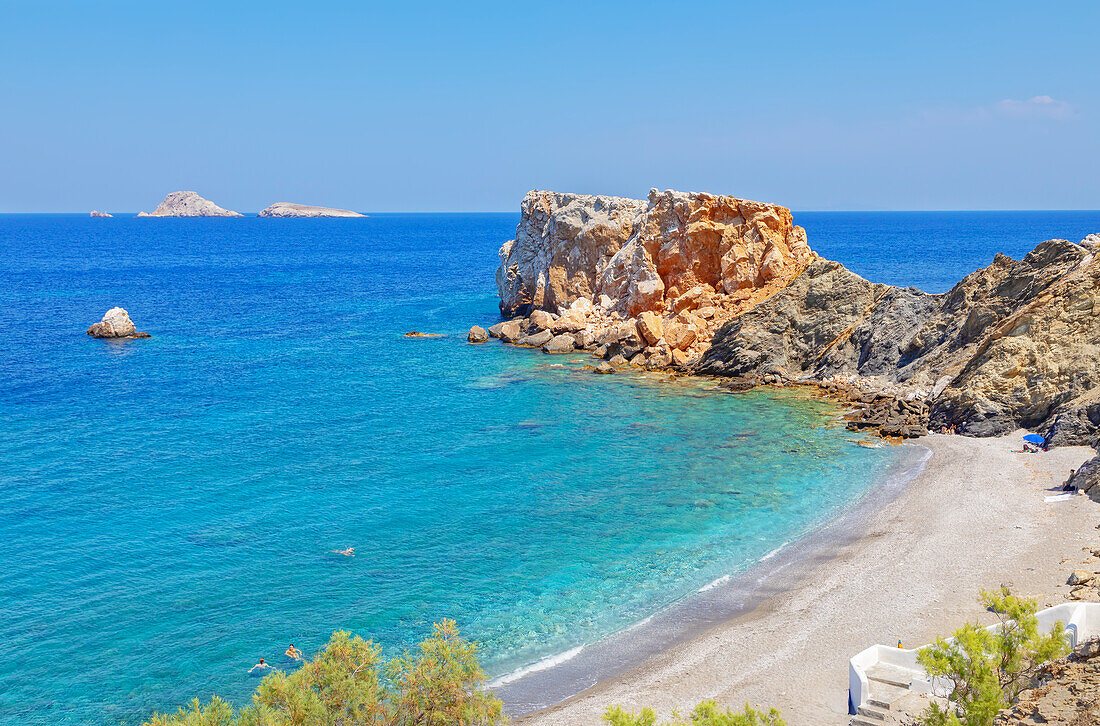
x,y
974,518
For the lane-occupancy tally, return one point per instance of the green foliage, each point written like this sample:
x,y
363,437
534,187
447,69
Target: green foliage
x,y
707,713
216,713
988,669
349,684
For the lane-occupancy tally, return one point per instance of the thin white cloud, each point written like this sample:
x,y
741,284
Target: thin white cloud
x,y
1039,107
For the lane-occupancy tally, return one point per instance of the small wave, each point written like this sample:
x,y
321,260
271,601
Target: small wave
x,y
548,662
715,583
774,552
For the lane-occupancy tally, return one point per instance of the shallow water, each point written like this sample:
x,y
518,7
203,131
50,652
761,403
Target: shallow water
x,y
172,504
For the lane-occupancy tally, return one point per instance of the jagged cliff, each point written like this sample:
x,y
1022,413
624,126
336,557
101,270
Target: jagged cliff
x,y
693,260
723,286
1011,345
188,204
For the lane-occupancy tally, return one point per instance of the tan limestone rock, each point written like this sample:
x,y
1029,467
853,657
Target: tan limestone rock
x,y
679,336
650,327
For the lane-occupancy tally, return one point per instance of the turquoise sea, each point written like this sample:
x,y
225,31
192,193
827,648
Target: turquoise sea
x,y
171,505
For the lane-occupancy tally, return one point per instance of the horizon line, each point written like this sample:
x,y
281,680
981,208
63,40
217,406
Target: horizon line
x,y
516,211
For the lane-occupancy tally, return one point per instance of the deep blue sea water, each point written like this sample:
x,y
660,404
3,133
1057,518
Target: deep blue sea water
x,y
171,504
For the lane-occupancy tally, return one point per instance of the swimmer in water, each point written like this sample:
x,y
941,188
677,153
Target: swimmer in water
x,y
259,666
349,552
292,652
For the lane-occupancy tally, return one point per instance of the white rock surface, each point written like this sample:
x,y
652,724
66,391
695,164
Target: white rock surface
x,y
116,323
289,209
188,204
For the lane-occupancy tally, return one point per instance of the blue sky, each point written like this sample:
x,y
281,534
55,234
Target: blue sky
x,y
463,107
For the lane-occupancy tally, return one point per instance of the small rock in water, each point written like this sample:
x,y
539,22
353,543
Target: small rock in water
x,y
116,323
477,334
604,367
418,334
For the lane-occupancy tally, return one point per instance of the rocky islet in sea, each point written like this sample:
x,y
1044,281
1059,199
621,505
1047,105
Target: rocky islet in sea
x,y
188,204
116,323
289,209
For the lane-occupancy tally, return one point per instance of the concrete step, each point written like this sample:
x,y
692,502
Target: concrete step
x,y
864,721
890,674
884,694
890,679
872,713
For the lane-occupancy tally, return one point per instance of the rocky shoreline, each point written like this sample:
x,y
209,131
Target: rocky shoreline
x,y
719,286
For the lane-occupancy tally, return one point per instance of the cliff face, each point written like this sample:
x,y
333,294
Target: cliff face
x,y
644,254
1011,345
289,209
188,204
672,255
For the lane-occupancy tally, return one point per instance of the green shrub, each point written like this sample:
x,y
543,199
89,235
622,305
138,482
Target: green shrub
x,y
988,669
706,713
349,683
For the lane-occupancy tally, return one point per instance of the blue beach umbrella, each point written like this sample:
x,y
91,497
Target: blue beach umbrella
x,y
1034,439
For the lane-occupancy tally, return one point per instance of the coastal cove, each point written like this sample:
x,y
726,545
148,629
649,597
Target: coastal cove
x,y
178,499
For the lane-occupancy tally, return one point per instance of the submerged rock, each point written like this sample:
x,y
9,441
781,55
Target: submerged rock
x,y
289,209
418,334
188,204
116,323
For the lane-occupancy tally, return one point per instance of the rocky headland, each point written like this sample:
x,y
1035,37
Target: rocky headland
x,y
289,209
188,204
116,323
720,286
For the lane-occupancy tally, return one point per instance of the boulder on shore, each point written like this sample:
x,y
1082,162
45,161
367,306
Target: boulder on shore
x,y
564,343
289,209
188,204
116,323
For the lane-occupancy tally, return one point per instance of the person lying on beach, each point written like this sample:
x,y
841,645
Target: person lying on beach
x,y
259,666
293,652
349,552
